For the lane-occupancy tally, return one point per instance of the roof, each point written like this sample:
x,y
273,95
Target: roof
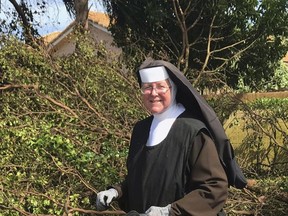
x,y
49,37
98,18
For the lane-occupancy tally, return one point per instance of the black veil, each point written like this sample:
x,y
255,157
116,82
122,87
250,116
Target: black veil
x,y
193,101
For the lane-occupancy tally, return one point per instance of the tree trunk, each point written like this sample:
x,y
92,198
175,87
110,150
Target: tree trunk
x,y
81,11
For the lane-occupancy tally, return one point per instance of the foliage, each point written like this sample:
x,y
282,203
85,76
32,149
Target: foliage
x,y
264,148
280,78
262,128
211,41
64,128
265,196
20,19
279,81
223,106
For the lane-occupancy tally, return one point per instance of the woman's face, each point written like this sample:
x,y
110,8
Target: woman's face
x,y
156,96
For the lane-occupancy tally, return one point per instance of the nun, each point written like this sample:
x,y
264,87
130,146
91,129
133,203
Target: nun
x,y
177,161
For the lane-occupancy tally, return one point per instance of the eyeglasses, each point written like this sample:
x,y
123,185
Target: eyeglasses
x,y
159,89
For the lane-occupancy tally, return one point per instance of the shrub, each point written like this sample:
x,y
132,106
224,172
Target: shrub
x,y
64,128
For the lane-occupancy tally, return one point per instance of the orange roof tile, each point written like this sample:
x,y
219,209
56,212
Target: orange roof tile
x,y
51,36
285,59
99,18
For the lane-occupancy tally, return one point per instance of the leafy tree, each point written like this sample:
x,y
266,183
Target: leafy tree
x,y
211,41
21,20
24,25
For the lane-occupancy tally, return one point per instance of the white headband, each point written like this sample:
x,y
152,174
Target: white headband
x,y
153,74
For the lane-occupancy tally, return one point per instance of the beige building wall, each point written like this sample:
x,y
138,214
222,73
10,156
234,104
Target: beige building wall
x,y
63,48
105,37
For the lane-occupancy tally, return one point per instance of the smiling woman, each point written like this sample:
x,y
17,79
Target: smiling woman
x,y
173,167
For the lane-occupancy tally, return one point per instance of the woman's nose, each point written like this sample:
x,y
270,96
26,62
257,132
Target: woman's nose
x,y
154,91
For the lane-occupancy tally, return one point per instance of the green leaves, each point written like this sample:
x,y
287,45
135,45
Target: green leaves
x,y
64,128
210,41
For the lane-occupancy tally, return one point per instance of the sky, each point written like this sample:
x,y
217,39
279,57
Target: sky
x,y
56,18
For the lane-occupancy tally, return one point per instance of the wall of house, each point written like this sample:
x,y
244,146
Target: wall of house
x,y
64,47
105,38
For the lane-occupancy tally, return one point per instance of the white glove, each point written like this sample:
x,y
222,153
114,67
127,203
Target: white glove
x,y
104,198
158,211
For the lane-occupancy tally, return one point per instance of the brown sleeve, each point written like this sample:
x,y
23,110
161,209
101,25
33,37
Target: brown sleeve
x,y
207,181
122,194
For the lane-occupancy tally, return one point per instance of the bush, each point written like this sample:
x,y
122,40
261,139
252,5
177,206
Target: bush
x,y
64,128
264,149
261,129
